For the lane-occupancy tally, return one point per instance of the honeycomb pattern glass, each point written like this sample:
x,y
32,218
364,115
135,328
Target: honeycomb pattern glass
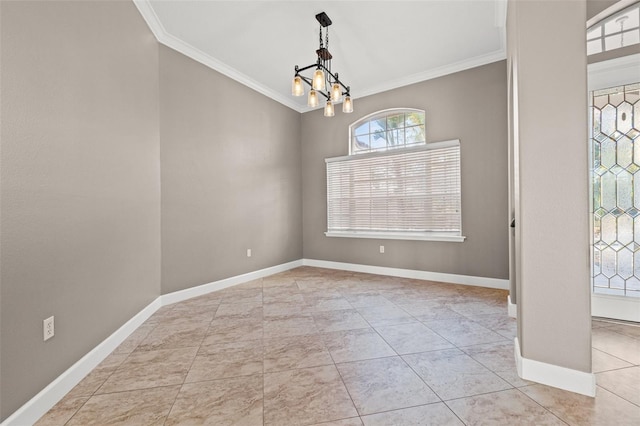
x,y
616,190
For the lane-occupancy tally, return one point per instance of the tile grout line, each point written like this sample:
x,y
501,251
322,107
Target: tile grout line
x,y
189,369
544,408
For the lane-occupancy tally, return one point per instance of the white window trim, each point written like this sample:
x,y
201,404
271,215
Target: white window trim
x,y
422,236
431,145
390,235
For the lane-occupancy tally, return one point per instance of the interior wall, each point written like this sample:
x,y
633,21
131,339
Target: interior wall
x,y
471,106
231,176
80,183
554,317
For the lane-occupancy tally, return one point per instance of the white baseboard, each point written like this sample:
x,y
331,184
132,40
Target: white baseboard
x,y
179,296
554,375
616,307
512,308
411,273
37,406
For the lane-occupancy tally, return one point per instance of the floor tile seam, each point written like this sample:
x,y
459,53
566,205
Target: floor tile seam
x,y
420,322
355,407
495,372
297,368
479,324
184,380
454,413
617,369
137,389
619,396
425,352
615,356
402,408
442,399
263,374
367,359
549,410
108,377
344,384
489,393
235,376
421,378
609,330
503,340
166,348
74,413
172,405
382,337
440,335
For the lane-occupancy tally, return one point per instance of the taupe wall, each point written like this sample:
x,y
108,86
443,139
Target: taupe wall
x,y
80,185
471,106
231,176
596,6
551,210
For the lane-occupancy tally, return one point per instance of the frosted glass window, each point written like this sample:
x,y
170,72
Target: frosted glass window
x,y
619,30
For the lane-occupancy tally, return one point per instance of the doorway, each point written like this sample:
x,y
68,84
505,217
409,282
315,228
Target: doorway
x,y
615,188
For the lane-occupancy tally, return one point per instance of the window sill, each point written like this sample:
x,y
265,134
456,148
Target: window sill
x,y
398,236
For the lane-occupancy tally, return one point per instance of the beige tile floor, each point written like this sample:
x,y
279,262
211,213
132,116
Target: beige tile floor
x,y
314,346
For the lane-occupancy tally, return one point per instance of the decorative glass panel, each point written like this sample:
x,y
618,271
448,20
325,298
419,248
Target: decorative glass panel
x,y
616,190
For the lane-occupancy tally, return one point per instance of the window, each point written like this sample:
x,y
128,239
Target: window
x,y
619,30
389,129
395,185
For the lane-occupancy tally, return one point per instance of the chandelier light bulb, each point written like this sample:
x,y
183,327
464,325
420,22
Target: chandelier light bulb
x,y
318,80
328,109
312,101
336,93
297,89
347,105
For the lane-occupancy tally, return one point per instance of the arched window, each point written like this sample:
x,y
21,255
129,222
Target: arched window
x,y
394,184
618,30
388,129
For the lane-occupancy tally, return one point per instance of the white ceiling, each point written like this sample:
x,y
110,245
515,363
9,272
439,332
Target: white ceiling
x,y
376,45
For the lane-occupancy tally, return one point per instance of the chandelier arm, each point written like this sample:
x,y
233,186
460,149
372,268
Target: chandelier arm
x,y
299,70
306,80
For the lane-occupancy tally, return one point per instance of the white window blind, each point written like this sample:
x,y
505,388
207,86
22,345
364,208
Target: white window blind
x,y
408,194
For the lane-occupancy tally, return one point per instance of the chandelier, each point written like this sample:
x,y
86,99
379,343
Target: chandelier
x,y
323,83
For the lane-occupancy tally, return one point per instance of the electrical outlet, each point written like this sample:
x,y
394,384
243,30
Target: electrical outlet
x,y
248,252
47,328
381,249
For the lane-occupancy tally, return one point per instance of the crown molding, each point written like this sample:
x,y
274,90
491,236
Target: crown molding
x,y
474,62
163,37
